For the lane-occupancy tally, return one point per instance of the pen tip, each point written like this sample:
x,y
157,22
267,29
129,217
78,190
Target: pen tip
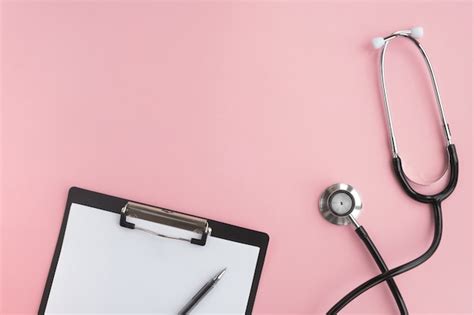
x,y
221,273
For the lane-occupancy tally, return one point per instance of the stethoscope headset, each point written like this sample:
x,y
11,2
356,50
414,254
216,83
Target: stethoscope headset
x,y
341,204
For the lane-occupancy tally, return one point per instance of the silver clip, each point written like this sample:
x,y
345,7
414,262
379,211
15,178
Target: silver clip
x,y
165,217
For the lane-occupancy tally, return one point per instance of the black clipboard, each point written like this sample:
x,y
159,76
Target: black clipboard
x,y
116,205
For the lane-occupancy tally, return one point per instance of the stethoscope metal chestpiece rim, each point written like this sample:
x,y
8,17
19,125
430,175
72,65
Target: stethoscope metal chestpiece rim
x,y
340,202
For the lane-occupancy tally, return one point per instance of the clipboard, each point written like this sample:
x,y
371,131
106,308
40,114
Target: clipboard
x,y
109,247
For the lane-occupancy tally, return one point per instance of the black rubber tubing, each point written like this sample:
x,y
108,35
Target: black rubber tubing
x,y
364,236
438,231
435,200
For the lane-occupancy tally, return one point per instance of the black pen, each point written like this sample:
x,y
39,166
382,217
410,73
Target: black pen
x,y
201,293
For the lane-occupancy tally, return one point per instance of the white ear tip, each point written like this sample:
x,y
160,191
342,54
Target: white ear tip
x,y
378,42
416,32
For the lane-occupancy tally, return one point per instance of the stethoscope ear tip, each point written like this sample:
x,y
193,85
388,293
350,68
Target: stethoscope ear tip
x,y
378,42
416,32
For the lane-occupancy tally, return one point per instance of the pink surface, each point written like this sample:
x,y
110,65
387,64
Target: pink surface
x,y
241,112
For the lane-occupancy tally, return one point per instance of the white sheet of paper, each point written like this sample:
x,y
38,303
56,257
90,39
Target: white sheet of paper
x,y
105,268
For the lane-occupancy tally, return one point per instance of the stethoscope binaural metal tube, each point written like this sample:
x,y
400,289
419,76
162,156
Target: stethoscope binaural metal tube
x,y
408,35
404,180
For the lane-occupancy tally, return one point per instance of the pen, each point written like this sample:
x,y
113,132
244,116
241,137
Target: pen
x,y
201,293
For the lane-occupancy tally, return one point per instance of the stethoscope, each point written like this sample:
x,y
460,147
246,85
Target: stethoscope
x,y
341,203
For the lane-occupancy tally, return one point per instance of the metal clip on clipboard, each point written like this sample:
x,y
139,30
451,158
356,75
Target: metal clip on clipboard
x,y
166,217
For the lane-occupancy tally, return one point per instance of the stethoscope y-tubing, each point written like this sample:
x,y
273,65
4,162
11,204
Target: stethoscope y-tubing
x,y
398,270
435,200
364,236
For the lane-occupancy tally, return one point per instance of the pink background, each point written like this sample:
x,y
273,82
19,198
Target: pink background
x,y
241,112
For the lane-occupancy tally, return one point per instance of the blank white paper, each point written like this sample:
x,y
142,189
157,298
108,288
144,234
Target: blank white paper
x,y
105,268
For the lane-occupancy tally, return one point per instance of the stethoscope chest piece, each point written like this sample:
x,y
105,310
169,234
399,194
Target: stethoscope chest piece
x,y
340,204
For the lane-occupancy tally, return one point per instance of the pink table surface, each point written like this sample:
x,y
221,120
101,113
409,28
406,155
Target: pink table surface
x,y
241,112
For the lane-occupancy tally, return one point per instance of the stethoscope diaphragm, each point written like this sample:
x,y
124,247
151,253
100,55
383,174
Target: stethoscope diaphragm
x,y
340,204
